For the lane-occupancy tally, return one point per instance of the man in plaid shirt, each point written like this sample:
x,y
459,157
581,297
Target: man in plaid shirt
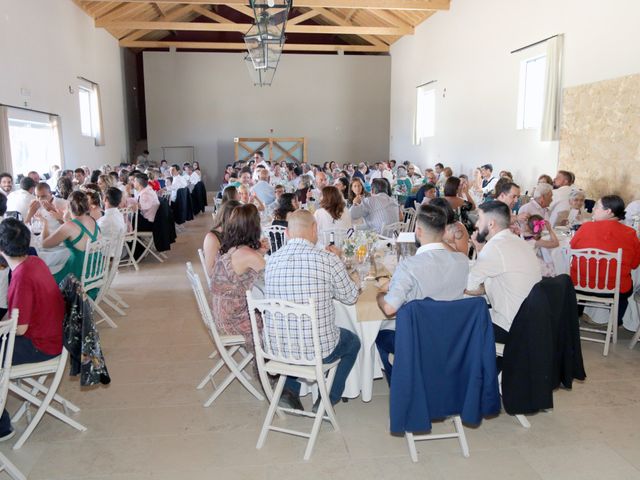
x,y
299,271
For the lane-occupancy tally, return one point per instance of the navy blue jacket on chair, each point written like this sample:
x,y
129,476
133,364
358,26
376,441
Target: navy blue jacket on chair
x,y
445,364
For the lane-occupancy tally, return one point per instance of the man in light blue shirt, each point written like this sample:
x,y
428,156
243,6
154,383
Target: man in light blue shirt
x,y
263,189
378,210
435,271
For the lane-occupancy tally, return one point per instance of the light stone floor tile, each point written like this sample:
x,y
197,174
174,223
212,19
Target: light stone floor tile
x,y
149,424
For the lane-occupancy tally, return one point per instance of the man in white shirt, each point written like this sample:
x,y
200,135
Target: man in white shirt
x,y
506,265
177,182
320,182
563,186
434,271
488,181
539,204
51,209
20,200
112,224
263,189
79,177
6,183
191,177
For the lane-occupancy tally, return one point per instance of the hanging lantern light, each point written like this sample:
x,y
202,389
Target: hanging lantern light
x,y
261,77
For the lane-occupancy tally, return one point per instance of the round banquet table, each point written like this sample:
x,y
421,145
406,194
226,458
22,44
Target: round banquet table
x,y
561,258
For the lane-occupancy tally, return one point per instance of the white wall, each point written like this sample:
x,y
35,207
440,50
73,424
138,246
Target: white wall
x,y
467,51
44,46
340,103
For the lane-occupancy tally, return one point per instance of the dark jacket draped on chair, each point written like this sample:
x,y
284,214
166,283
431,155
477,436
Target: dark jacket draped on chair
x,y
164,227
80,336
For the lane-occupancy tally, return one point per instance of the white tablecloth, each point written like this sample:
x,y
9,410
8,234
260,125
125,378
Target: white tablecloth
x,y
55,257
631,319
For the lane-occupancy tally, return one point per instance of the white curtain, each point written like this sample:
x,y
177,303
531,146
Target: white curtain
x,y
5,143
97,112
550,129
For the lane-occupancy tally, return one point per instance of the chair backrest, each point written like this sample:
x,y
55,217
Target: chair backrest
x,y
7,340
276,236
131,223
394,229
117,244
339,235
95,269
203,306
590,264
284,334
409,217
204,267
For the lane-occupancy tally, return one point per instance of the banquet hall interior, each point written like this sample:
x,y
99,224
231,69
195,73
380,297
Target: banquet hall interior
x,y
347,239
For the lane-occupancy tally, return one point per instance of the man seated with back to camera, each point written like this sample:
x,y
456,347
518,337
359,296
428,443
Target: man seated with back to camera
x,y
433,272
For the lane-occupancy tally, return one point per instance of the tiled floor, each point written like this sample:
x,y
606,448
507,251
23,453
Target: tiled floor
x,y
150,423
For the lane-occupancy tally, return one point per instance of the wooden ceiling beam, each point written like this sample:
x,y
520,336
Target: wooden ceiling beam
x,y
303,17
364,4
179,13
243,27
242,46
332,17
205,12
390,18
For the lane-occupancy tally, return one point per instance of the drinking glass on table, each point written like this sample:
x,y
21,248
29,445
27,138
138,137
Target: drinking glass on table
x,y
36,229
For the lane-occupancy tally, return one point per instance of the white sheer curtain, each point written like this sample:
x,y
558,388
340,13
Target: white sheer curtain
x,y
5,141
550,129
97,114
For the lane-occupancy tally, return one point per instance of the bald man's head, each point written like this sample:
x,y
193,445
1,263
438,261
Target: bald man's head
x,y
302,224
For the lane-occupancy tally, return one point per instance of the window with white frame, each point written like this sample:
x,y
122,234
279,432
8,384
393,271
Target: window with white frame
x,y
90,114
531,94
425,111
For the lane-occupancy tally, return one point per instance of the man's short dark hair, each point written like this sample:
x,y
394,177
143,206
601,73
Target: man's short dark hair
x,y
143,179
297,171
497,210
114,196
146,152
432,218
439,165
176,166
504,187
15,238
186,164
43,186
569,176
27,183
80,170
3,205
5,175
162,161
259,152
378,185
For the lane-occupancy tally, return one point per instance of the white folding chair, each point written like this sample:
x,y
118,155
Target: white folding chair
x,y
34,376
275,234
281,349
227,346
7,339
130,238
409,218
204,267
95,275
392,230
145,239
521,418
634,302
111,297
590,263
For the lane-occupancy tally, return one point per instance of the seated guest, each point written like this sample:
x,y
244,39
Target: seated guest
x,y
320,181
539,204
239,265
379,210
426,193
562,187
457,194
506,266
332,213
34,292
6,183
105,181
607,232
288,203
79,177
299,270
356,189
154,183
434,271
569,212
213,238
112,224
20,200
456,235
246,197
263,189
278,190
403,183
230,193
534,229
507,192
47,207
95,202
342,184
64,188
544,178
148,203
485,180
303,189
75,234
177,182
